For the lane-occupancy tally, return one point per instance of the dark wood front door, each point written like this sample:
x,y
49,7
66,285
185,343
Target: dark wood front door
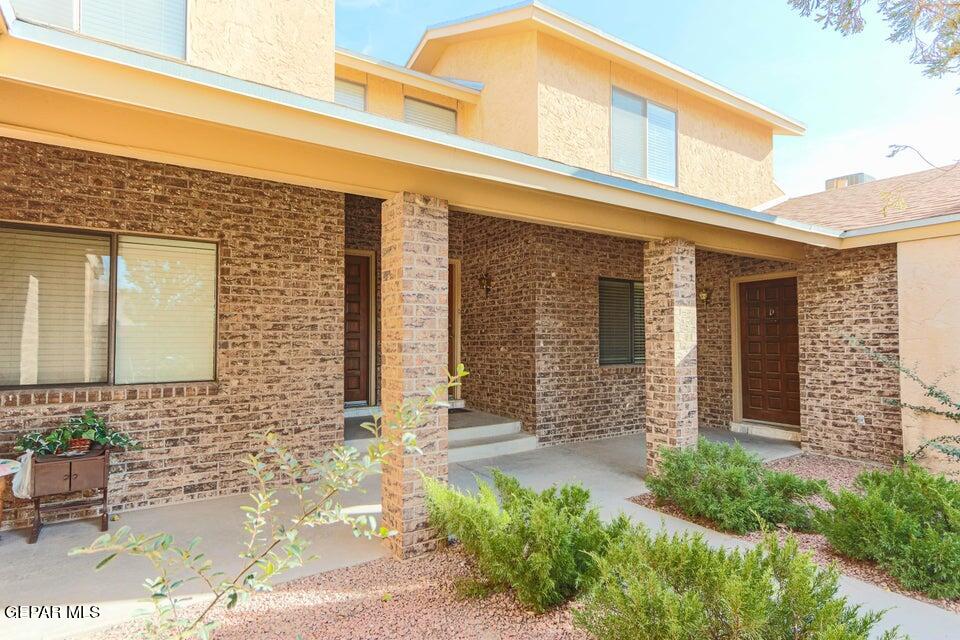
x,y
356,331
770,351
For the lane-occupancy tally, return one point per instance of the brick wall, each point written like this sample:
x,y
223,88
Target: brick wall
x,y
576,398
843,294
714,339
280,351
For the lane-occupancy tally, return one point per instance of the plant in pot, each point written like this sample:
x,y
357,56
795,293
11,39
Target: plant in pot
x,y
77,434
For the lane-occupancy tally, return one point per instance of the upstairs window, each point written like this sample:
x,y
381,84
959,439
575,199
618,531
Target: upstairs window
x,y
429,115
158,26
350,94
643,138
94,308
621,322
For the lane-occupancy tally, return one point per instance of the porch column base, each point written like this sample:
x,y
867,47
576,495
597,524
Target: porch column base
x,y
670,322
414,297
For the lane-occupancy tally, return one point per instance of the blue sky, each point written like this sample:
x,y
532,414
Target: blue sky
x,y
857,95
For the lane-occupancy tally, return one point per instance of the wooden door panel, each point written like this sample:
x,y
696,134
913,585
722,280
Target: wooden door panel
x,y
86,474
51,478
770,351
356,329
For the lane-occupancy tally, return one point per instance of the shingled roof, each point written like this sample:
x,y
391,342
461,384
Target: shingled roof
x,y
914,196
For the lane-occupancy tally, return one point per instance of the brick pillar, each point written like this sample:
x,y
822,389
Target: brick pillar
x,y
413,316
670,320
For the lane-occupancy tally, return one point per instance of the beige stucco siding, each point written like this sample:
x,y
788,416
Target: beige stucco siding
x,y
288,45
573,88
506,65
724,156
929,326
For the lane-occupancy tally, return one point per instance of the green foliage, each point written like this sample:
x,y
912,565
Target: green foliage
x,y
931,26
89,426
542,545
274,543
732,488
679,588
907,520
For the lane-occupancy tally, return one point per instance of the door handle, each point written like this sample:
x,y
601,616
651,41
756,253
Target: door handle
x,y
75,476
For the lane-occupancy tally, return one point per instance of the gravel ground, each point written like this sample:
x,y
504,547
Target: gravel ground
x,y
838,474
387,600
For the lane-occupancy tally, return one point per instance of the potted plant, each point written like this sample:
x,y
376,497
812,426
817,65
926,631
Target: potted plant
x,y
76,435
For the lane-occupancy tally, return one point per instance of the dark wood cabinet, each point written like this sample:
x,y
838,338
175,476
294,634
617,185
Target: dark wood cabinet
x,y
56,475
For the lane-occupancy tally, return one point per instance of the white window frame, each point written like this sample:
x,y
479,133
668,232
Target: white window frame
x,y
646,138
76,28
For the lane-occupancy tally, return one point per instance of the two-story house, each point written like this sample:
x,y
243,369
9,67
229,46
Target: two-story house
x,y
213,222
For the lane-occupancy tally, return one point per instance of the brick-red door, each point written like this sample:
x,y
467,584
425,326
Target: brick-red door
x,y
356,331
770,351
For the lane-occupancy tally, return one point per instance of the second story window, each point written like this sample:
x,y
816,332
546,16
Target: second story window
x,y
643,138
429,115
350,94
158,26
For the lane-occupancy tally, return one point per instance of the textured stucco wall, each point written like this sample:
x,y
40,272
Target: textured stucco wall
x,y
288,45
929,325
721,155
506,65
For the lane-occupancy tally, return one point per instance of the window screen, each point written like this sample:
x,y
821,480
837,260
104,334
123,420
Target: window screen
x,y
643,138
429,115
350,94
54,307
159,26
621,322
166,310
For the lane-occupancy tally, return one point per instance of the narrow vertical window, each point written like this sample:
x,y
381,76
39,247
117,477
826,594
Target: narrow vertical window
x,y
661,144
621,322
627,133
54,307
166,310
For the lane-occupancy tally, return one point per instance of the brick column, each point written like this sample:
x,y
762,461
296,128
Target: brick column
x,y
413,314
670,320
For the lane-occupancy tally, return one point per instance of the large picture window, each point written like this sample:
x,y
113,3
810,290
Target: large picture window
x,y
89,308
621,322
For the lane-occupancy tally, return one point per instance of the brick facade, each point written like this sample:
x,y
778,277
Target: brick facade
x,y
715,271
280,317
415,298
670,299
847,294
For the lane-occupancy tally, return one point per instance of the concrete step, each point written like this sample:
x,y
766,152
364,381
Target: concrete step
x,y
490,447
483,431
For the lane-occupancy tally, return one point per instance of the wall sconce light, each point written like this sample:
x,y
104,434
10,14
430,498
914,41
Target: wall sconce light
x,y
486,282
704,295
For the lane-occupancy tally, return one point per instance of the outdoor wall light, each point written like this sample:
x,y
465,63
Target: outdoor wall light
x,y
486,282
704,295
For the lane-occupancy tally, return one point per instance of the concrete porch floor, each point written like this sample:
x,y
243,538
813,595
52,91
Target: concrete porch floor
x,y
611,469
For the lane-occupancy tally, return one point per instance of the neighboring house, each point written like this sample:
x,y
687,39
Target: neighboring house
x,y
213,223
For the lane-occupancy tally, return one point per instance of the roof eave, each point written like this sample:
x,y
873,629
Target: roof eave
x,y
404,75
540,17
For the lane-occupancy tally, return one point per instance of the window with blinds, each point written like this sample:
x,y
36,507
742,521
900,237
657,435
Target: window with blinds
x,y
643,138
166,310
57,322
159,26
429,115
54,307
350,94
621,322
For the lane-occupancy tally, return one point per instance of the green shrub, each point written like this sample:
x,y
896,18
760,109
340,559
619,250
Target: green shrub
x,y
732,488
907,520
541,545
679,588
